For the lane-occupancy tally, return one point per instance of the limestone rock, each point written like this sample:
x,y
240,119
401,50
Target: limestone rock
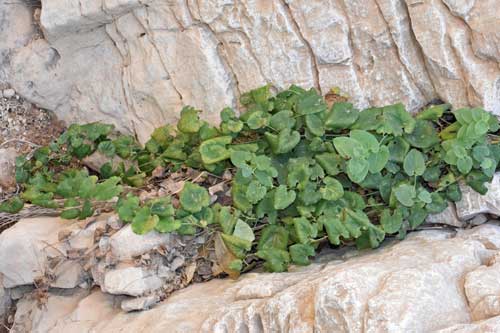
x,y
30,243
447,217
473,203
139,303
5,301
416,285
126,244
31,317
9,93
69,274
133,281
135,63
7,168
483,291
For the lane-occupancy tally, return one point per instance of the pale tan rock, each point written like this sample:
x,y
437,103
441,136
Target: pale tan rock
x,y
30,243
473,203
447,217
483,291
416,285
136,63
125,244
7,168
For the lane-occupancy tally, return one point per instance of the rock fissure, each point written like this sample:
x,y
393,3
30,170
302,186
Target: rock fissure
x,y
314,60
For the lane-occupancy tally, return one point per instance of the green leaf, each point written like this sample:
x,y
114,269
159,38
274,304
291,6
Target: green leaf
x,y
194,197
240,158
300,253
453,192
357,169
189,121
423,136
127,207
333,189
304,230
476,180
144,222
236,245
273,236
348,147
437,205
433,112
424,196
12,205
464,164
275,260
108,189
70,214
341,116
255,192
370,238
405,194
396,120
282,120
107,148
417,216
162,207
86,211
414,163
310,103
283,198
315,124
330,162
214,150
378,161
225,218
398,148
391,223
258,119
368,140
236,265
243,231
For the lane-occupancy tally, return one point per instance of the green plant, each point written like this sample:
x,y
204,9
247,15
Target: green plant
x,y
304,173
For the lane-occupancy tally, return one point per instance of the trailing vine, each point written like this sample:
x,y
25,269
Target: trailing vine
x,y
304,173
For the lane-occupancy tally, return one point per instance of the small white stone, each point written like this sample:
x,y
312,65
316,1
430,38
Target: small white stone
x,y
473,203
478,220
68,275
139,303
125,244
9,93
114,222
133,281
7,168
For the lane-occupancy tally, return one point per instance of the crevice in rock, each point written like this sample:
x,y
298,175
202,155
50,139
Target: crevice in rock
x,y
124,81
419,48
354,51
148,29
225,62
314,60
398,53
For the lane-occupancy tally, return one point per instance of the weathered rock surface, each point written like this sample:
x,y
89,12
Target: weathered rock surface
x,y
435,281
473,203
133,281
27,248
135,63
7,168
126,244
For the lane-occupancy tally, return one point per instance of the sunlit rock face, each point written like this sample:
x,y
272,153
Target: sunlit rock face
x,y
135,63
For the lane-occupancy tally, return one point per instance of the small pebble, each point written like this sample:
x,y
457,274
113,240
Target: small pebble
x,y
9,93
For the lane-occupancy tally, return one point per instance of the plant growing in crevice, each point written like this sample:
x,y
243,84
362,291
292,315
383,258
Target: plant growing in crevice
x,y
304,173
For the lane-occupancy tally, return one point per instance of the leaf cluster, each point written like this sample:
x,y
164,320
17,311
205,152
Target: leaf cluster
x,y
304,173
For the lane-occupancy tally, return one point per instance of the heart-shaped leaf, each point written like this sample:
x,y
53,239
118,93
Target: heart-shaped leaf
x,y
283,198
